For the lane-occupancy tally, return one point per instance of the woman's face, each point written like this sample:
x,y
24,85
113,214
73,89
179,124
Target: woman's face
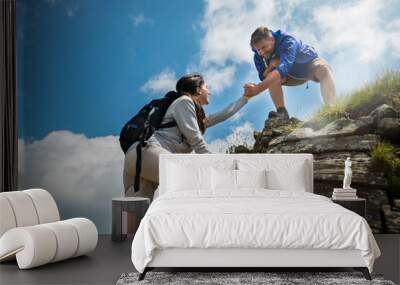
x,y
202,94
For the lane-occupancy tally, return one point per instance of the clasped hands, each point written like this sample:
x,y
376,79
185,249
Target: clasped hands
x,y
250,90
253,89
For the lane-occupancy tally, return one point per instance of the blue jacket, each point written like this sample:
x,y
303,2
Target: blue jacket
x,y
293,54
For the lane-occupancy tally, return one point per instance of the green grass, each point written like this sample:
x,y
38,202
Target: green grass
x,y
382,155
386,85
384,159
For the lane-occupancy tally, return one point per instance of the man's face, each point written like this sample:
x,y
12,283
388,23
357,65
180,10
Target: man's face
x,y
265,47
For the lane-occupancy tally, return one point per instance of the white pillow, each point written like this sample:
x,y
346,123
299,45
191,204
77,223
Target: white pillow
x,y
188,177
292,180
283,173
251,178
223,179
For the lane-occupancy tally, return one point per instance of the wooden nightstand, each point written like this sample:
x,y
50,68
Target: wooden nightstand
x,y
358,205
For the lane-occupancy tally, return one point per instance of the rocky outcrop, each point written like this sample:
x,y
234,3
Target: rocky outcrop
x,y
392,219
273,128
353,135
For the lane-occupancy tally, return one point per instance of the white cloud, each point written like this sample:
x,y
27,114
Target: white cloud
x,y
394,36
360,42
357,37
140,19
219,78
160,83
83,174
357,27
349,34
241,135
228,26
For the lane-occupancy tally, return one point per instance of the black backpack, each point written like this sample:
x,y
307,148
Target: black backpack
x,y
141,126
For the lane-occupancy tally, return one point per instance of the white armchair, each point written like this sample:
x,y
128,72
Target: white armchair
x,y
31,230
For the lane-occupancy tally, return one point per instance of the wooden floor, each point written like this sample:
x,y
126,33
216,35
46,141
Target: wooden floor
x,y
110,260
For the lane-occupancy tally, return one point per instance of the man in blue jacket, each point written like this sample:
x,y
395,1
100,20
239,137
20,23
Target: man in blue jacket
x,y
280,59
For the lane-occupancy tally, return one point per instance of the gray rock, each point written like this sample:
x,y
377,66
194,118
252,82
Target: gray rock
x,y
352,135
274,127
389,128
275,122
392,220
366,108
337,128
256,135
315,125
240,149
383,111
298,134
358,143
346,126
396,205
330,167
294,120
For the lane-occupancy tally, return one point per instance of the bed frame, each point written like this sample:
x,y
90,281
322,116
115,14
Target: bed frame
x,y
246,259
241,259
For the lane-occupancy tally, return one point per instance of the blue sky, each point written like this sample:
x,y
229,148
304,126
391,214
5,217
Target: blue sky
x,y
83,72
84,67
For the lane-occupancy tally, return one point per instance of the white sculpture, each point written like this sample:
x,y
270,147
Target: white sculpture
x,y
347,174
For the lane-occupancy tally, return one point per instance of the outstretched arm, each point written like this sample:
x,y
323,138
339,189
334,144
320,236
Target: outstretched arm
x,y
227,112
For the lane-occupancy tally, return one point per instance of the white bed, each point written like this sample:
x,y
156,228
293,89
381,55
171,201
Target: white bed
x,y
250,210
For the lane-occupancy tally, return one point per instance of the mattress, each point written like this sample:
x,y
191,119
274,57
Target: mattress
x,y
250,219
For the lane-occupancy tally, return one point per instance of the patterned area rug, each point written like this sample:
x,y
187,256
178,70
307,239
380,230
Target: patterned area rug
x,y
230,278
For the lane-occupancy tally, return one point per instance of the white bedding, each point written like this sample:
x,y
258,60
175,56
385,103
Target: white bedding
x,y
251,218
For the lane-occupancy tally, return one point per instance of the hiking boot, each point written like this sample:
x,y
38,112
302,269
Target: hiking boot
x,y
281,113
273,114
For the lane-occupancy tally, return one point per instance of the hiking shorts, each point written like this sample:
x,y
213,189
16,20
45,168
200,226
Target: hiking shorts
x,y
311,69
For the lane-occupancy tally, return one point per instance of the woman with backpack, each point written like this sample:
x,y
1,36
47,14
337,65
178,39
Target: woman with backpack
x,y
185,137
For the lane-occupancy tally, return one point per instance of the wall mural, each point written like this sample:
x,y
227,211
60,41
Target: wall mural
x,y
85,67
